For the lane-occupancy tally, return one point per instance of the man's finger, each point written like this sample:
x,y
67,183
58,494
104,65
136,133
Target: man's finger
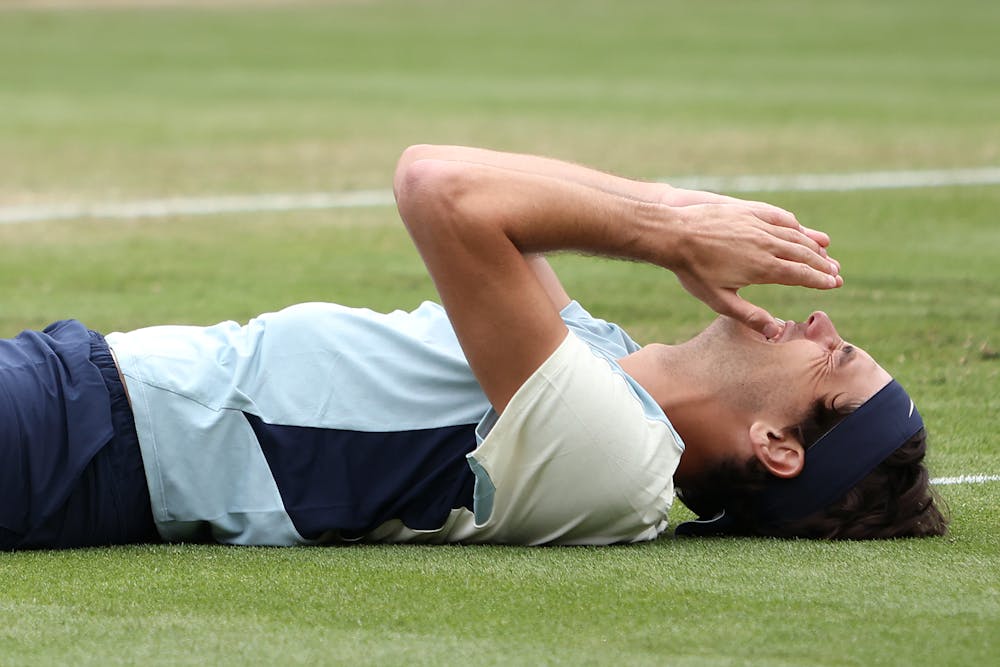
x,y
682,197
770,212
819,237
782,218
786,272
776,216
797,237
728,302
804,255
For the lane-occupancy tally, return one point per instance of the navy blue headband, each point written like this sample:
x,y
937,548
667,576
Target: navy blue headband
x,y
834,464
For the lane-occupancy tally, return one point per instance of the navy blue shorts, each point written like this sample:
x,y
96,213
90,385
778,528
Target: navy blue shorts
x,y
71,473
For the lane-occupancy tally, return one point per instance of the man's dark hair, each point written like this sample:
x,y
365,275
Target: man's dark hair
x,y
893,500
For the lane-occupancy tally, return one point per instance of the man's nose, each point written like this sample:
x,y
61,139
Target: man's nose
x,y
820,329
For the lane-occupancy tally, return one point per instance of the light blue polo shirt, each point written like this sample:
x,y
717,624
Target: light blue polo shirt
x,y
317,423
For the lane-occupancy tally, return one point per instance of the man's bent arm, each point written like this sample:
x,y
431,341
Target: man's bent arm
x,y
473,224
656,193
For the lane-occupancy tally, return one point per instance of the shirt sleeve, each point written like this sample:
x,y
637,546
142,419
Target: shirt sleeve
x,y
613,341
574,458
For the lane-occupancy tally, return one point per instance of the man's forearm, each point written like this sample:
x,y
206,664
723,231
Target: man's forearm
x,y
537,212
542,166
642,191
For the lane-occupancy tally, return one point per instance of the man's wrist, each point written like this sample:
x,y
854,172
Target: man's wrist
x,y
652,192
658,234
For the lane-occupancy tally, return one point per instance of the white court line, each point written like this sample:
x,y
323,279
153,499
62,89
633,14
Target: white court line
x,y
162,208
966,479
870,180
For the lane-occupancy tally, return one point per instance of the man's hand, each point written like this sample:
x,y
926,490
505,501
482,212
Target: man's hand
x,y
672,196
724,246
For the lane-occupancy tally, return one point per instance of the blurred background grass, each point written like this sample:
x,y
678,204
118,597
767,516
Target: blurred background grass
x,y
170,100
126,102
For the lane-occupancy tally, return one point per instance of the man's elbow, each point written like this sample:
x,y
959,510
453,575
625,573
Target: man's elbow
x,y
412,154
426,190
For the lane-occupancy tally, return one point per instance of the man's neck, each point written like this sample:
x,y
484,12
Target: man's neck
x,y
678,377
686,384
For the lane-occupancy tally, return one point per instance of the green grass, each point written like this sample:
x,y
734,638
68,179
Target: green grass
x,y
116,102
120,104
692,602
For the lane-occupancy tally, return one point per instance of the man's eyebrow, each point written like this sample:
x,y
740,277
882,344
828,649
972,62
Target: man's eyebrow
x,y
847,353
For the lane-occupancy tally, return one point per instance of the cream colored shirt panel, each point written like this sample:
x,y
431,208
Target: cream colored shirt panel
x,y
575,458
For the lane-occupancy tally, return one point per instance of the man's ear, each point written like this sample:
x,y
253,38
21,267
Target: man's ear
x,y
779,452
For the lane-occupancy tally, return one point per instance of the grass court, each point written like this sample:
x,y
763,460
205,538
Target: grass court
x,y
111,101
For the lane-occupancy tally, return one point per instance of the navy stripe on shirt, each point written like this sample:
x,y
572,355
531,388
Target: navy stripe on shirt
x,y
352,482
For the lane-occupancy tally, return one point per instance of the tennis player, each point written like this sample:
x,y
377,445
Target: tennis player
x,y
508,414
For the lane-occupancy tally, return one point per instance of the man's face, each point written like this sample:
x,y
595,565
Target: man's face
x,y
839,374
807,362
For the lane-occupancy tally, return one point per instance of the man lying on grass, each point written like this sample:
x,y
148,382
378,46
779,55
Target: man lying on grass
x,y
509,416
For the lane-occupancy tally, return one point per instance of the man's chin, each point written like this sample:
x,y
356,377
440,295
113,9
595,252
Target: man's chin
x,y
733,328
